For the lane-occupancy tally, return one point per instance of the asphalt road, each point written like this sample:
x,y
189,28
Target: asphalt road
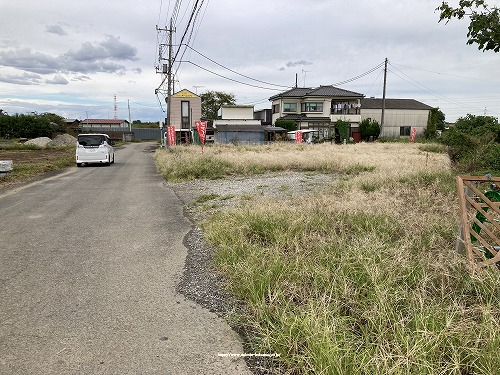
x,y
89,261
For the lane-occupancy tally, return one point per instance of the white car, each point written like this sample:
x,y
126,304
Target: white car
x,y
94,148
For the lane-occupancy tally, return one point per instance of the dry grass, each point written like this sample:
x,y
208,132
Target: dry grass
x,y
394,159
360,277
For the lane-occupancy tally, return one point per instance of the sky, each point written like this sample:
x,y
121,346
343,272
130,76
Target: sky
x,y
73,58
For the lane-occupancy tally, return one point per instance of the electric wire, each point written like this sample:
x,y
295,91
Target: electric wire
x,y
359,76
429,90
232,71
446,74
230,79
186,30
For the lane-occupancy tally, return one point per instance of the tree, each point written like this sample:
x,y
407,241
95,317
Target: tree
x,y
484,27
473,143
369,128
435,122
211,101
342,127
289,125
25,126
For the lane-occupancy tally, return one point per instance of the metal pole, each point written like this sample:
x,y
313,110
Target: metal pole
x,y
383,99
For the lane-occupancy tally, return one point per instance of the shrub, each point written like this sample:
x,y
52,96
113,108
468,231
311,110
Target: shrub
x,y
369,128
289,125
343,129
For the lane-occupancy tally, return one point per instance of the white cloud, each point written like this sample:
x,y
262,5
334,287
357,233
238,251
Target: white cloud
x,y
57,80
316,42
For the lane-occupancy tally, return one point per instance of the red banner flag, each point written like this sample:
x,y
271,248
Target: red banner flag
x,y
201,127
171,135
413,134
298,137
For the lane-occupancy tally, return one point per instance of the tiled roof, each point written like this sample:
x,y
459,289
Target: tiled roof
x,y
334,91
303,118
376,103
102,121
321,91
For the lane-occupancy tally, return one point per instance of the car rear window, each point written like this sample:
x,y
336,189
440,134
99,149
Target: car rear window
x,y
91,140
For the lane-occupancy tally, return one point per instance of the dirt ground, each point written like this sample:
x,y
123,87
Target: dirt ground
x,y
31,156
33,160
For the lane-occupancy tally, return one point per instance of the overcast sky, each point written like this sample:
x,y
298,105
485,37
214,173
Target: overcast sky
x,y
72,57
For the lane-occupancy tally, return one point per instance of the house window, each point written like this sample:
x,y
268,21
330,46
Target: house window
x,y
276,108
312,107
289,107
184,114
404,130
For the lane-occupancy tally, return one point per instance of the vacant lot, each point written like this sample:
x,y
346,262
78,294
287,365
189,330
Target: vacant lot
x,y
350,268
29,163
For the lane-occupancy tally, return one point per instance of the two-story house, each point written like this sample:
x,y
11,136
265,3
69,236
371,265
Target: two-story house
x,y
318,109
185,109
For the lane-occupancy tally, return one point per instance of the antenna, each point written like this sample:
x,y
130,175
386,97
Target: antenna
x,y
305,74
196,88
116,114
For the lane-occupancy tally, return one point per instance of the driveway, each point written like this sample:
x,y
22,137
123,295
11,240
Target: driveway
x,y
89,264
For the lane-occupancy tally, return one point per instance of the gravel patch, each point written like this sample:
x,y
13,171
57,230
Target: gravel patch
x,y
63,140
40,141
200,281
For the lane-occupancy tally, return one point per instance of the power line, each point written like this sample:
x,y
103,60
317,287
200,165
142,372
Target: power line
x,y
429,90
446,74
232,71
359,76
230,79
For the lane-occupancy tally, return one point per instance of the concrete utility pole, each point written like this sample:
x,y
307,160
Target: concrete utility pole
x,y
169,72
129,118
383,98
167,69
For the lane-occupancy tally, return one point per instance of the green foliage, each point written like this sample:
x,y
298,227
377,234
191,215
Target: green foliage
x,y
289,125
27,126
484,26
211,101
435,122
473,143
343,129
347,292
369,128
479,126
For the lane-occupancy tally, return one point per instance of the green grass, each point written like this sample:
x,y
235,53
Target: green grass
x,y
206,197
433,147
64,157
346,291
360,277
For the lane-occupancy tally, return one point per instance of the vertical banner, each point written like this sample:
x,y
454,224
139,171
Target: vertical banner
x,y
413,134
171,135
201,127
298,137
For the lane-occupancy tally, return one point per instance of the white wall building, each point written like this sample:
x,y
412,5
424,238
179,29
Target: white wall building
x,y
400,115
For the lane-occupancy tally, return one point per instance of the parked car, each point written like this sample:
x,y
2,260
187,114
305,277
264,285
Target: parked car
x,y
94,149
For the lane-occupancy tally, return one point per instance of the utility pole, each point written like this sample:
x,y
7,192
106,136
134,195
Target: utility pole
x,y
383,98
169,72
166,69
129,119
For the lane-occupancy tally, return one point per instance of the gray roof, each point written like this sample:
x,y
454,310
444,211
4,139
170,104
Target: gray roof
x,y
375,103
250,128
321,91
303,118
241,128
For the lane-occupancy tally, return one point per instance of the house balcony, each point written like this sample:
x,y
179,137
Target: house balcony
x,y
345,117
